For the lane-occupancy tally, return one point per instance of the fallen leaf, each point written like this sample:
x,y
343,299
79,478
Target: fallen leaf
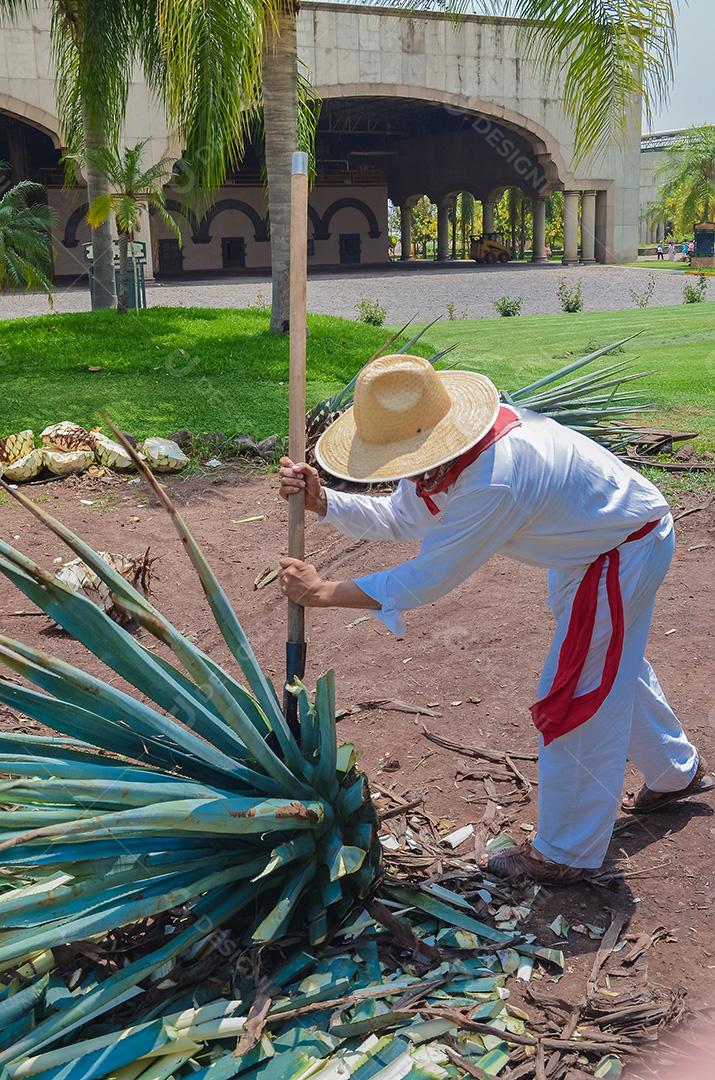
x,y
265,578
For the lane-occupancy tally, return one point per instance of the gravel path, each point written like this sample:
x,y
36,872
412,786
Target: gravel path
x,y
403,292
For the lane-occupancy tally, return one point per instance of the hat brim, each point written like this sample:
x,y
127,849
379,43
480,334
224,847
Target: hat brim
x,y
475,405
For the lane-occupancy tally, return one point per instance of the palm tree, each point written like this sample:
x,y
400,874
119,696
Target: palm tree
x,y
689,172
202,60
280,126
91,47
25,238
133,192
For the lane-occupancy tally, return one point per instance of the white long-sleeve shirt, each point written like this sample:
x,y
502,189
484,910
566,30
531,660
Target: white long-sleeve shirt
x,y
543,494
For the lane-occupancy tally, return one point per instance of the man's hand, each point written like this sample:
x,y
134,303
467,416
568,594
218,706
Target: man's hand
x,y
303,477
302,583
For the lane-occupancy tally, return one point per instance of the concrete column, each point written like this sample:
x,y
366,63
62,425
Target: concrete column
x,y
538,208
488,206
406,231
588,227
570,228
443,231
601,246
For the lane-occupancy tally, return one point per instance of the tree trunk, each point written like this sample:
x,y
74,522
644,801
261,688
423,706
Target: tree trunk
x,y
123,273
280,121
104,293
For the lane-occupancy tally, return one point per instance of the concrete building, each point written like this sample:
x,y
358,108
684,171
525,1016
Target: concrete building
x,y
413,105
654,153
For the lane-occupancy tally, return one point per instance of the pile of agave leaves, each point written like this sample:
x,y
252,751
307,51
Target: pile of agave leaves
x,y
179,871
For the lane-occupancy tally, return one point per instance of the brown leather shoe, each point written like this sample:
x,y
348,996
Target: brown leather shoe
x,y
647,801
526,863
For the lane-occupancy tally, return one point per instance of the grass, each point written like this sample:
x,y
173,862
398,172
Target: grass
x,y
168,368
666,264
222,370
677,344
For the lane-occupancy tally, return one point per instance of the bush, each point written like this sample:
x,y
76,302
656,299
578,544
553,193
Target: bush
x,y
508,306
370,312
570,296
695,294
642,299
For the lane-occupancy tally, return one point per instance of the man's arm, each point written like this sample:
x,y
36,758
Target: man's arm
x,y
475,525
401,516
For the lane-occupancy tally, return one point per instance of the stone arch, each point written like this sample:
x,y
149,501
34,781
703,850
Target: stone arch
x,y
185,212
44,121
368,213
315,220
260,228
69,240
546,146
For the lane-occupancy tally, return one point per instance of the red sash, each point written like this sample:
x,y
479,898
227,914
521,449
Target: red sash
x,y
505,422
561,711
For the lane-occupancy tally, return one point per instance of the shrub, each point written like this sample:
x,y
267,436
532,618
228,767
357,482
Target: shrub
x,y
370,312
570,296
508,306
642,298
695,294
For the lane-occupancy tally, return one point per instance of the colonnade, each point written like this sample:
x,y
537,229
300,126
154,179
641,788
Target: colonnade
x,y
592,206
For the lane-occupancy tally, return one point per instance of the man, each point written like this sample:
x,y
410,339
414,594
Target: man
x,y
478,478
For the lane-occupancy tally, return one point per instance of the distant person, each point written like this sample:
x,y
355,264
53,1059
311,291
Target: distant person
x,y
659,251
547,251
671,250
691,249
684,250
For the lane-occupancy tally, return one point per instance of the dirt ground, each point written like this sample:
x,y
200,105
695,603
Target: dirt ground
x,y
477,655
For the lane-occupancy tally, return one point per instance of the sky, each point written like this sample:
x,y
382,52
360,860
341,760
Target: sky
x,y
692,98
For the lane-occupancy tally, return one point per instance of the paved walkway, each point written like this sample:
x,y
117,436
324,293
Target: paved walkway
x,y
424,291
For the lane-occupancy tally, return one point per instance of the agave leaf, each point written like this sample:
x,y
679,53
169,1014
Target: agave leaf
x,y
117,794
76,721
149,617
278,918
15,946
325,778
83,690
554,376
210,912
226,619
445,913
303,846
106,639
23,1002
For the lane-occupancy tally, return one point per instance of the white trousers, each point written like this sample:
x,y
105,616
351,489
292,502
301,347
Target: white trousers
x,y
581,773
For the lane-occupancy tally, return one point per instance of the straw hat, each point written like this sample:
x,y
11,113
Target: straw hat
x,y
407,419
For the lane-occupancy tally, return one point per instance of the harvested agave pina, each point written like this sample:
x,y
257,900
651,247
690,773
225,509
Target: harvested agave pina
x,y
63,462
67,436
109,453
164,455
25,468
14,447
136,569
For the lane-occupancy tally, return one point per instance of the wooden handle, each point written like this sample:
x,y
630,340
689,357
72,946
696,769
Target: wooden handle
x,y
297,377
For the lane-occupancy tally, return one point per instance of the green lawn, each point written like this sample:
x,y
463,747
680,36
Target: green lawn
x,y
221,370
677,345
168,368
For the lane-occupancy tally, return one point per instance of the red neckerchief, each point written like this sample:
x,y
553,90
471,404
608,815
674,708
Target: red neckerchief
x,y
505,422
